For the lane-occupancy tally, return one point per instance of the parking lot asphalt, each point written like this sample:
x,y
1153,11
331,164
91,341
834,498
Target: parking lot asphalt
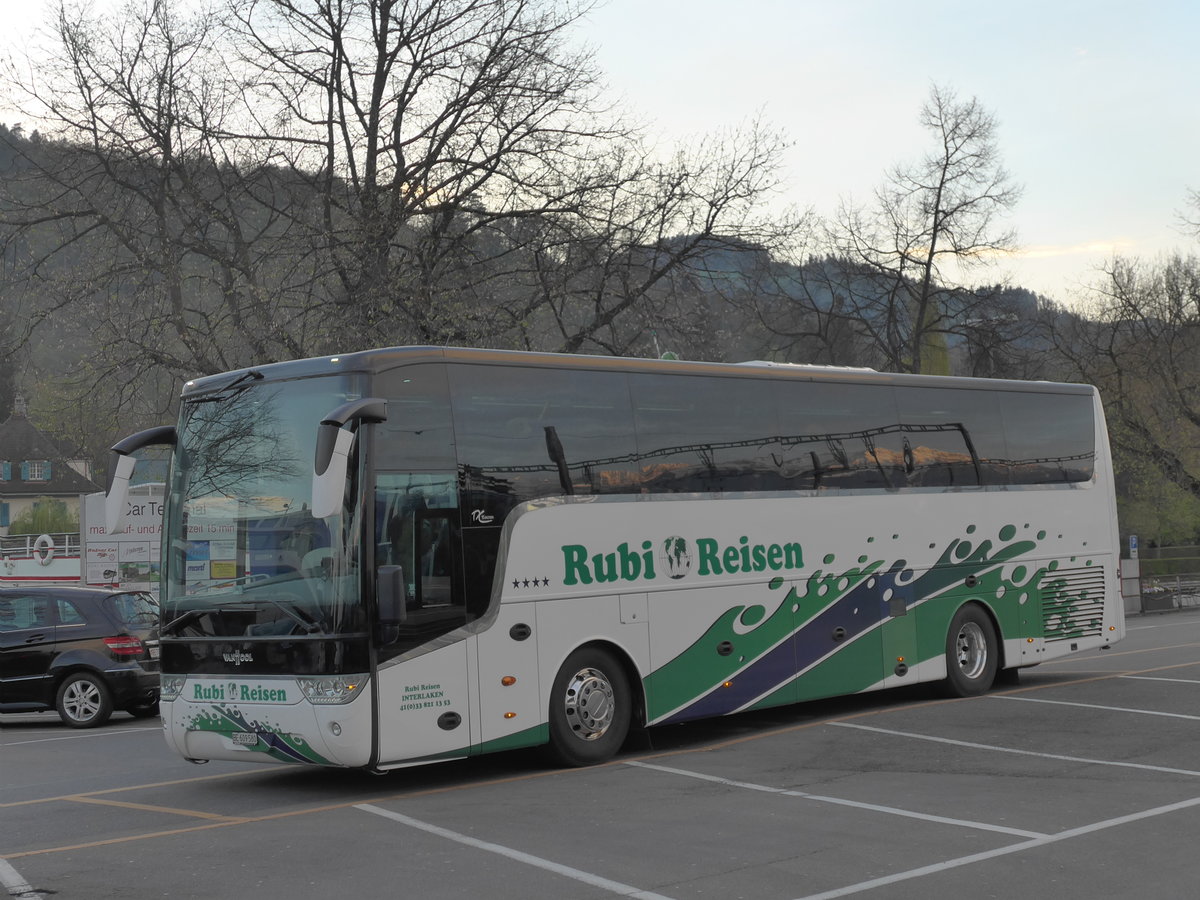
x,y
1081,781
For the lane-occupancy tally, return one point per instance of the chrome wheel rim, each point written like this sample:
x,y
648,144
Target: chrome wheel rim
x,y
81,700
589,704
971,650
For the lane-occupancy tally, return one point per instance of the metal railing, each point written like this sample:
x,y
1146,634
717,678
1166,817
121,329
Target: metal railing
x,y
1163,592
23,545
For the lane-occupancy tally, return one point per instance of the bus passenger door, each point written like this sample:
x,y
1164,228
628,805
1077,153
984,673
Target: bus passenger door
x,y
425,706
425,674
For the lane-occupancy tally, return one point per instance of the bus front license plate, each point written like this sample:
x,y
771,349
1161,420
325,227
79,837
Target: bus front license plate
x,y
245,738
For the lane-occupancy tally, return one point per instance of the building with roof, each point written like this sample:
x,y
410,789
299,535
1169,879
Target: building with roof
x,y
34,465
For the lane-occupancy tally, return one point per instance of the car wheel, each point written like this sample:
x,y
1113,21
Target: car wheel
x,y
84,700
591,709
144,711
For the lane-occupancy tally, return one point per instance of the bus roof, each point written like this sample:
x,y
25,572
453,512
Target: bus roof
x,y
384,359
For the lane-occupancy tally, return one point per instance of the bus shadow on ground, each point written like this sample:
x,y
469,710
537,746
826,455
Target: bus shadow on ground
x,y
358,785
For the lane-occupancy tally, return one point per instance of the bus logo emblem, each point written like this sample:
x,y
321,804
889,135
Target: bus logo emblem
x,y
478,515
676,557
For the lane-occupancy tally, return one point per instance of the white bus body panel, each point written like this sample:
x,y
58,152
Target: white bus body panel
x,y
265,719
425,706
742,559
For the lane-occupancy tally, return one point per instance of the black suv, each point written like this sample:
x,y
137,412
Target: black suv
x,y
82,651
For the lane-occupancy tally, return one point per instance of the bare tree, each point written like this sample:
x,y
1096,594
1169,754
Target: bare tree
x,y
898,267
1140,344
474,188
422,123
281,178
661,252
141,223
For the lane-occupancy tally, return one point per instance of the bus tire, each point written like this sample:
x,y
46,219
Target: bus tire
x,y
972,653
591,708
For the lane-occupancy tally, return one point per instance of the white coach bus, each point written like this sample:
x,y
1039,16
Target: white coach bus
x,y
415,554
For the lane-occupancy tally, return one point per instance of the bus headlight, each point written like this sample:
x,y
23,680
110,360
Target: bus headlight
x,y
169,686
331,689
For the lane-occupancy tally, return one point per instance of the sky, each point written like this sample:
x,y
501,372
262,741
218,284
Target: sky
x,y
1096,103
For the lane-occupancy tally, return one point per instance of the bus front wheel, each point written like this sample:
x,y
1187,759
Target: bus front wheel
x,y
590,708
972,653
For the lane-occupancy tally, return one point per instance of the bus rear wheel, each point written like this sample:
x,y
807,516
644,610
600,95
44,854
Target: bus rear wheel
x,y
590,708
972,653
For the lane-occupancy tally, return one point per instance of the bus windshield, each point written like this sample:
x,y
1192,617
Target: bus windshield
x,y
247,558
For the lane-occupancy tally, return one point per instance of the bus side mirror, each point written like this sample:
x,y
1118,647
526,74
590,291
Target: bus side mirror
x,y
116,498
334,442
120,469
390,595
329,472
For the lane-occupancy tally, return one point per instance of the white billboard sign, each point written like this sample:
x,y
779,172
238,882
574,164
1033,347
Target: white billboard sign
x,y
129,559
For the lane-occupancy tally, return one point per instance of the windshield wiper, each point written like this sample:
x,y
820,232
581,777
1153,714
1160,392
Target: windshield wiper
x,y
293,612
310,625
179,621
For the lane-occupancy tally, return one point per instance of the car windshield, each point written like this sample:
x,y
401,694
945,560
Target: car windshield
x,y
134,609
246,557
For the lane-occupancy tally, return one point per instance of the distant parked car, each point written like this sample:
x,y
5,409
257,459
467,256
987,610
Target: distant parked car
x,y
82,651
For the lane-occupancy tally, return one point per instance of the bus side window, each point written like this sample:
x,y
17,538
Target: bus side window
x,y
837,435
434,555
417,530
699,434
523,434
953,436
1051,437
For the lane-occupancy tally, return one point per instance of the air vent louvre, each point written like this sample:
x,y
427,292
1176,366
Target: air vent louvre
x,y
1073,604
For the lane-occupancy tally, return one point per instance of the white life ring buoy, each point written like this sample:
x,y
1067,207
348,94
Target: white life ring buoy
x,y
43,549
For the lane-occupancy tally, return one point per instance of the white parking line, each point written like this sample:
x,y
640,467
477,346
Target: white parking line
x,y
1140,712
1028,845
615,887
16,886
78,737
1164,625
1002,851
995,749
1152,678
890,810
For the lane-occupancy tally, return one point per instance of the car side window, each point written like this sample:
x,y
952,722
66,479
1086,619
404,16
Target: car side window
x,y
17,613
68,614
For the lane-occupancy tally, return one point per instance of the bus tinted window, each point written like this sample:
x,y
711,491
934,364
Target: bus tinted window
x,y
528,433
839,435
701,434
417,436
952,438
1051,437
